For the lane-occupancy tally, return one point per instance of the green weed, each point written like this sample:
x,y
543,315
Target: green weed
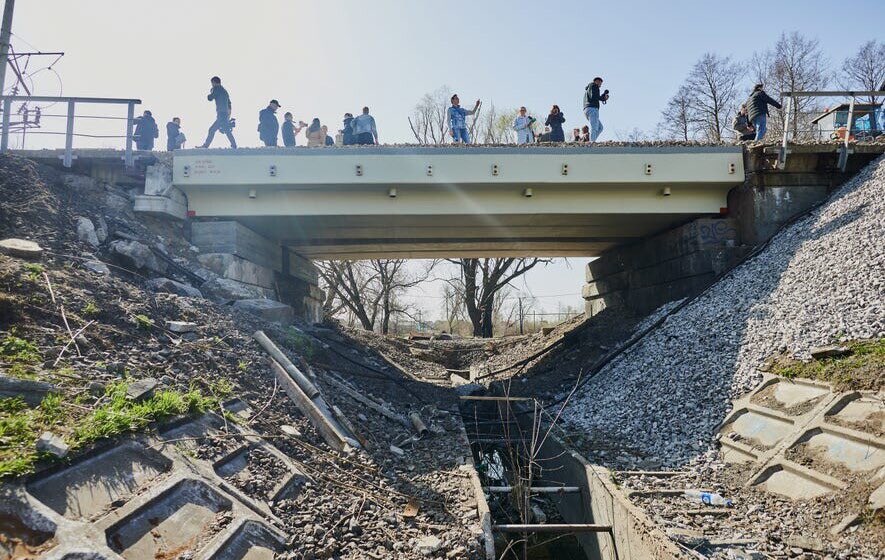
x,y
18,350
143,321
862,369
34,270
90,309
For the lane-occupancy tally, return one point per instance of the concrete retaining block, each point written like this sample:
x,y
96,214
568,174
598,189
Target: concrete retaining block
x,y
301,268
236,239
235,268
267,309
160,206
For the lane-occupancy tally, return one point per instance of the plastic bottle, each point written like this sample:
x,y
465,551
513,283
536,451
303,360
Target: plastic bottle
x,y
708,498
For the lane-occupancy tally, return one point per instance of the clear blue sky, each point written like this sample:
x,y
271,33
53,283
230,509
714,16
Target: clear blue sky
x,y
322,59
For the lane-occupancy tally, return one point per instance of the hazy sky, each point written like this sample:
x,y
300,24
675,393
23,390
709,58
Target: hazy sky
x,y
322,59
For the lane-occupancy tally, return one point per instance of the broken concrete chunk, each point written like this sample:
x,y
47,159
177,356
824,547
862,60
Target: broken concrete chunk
x,y
290,430
267,309
97,267
428,545
168,286
53,444
86,231
20,248
831,351
180,326
142,389
135,254
397,451
226,290
32,392
877,498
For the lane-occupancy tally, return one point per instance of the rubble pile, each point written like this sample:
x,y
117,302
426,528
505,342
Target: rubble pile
x,y
129,289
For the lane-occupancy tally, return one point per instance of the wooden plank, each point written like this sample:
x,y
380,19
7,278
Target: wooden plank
x,y
553,528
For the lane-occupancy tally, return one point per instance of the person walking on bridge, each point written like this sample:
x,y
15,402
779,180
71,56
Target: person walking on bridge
x,y
364,128
145,132
592,99
174,136
757,110
268,124
458,120
223,108
522,124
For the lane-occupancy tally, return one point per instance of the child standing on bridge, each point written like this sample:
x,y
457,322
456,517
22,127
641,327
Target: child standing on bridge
x,y
223,108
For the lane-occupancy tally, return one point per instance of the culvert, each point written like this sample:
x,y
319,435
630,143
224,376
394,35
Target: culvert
x,y
546,501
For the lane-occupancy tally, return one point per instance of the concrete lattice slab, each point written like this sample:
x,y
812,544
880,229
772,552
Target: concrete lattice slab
x,y
855,452
760,427
90,485
173,521
249,541
794,482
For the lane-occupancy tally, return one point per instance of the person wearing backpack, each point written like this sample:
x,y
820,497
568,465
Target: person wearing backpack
x,y
757,110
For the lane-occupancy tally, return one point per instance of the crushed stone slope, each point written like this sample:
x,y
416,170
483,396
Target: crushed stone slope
x,y
821,279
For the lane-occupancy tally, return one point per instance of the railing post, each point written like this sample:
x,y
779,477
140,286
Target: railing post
x,y
782,160
4,136
130,117
843,154
69,137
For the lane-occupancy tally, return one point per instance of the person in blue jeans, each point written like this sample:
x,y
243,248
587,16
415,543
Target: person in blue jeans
x,y
592,98
757,110
458,120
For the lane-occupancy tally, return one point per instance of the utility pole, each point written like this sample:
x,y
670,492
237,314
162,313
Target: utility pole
x,y
521,329
5,33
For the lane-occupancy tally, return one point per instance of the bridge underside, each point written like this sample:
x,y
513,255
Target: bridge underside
x,y
463,202
436,236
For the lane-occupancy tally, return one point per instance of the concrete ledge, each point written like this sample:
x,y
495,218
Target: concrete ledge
x,y
235,268
160,206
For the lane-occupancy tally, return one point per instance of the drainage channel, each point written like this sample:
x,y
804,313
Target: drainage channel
x,y
539,507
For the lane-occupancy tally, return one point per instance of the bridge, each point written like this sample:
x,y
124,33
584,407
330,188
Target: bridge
x,y
428,202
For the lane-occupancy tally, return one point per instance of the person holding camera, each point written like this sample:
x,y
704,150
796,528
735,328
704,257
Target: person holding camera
x,y
347,136
458,120
223,121
290,130
592,99
555,120
742,125
522,124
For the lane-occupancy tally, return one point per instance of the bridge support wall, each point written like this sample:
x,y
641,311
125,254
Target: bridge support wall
x,y
253,264
678,263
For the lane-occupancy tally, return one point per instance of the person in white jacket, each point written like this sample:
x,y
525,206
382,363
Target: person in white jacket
x,y
522,124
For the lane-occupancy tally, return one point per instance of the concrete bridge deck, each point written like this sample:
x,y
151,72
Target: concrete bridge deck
x,y
424,202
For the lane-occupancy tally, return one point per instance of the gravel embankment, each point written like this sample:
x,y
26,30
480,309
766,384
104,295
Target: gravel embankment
x,y
819,280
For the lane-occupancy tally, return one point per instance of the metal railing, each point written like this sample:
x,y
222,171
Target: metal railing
x,y
70,117
824,118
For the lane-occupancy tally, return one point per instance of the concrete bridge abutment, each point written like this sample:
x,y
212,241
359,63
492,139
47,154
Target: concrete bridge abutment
x,y
680,262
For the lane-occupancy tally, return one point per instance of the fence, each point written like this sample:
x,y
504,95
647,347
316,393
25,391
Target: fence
x,y
70,116
846,122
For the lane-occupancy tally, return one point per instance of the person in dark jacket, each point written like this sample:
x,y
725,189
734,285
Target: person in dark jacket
x,y
347,136
742,125
174,136
268,124
554,121
757,110
592,98
145,131
223,107
290,129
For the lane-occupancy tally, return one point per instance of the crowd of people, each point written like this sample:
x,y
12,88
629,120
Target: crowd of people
x,y
749,123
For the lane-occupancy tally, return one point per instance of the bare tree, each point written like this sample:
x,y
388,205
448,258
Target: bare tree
x,y
483,279
429,120
865,70
453,303
677,118
368,289
496,127
712,87
795,64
